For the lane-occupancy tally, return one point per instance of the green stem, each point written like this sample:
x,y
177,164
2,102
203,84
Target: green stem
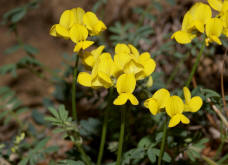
x,y
74,112
121,138
85,158
104,128
163,142
195,65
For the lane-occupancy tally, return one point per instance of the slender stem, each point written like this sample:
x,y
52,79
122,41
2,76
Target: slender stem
x,y
104,128
195,65
163,142
74,112
84,155
121,138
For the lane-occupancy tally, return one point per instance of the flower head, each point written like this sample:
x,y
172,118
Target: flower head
x,y
125,86
157,101
175,108
192,104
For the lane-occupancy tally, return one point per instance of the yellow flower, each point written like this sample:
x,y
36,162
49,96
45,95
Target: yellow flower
x,y
214,28
125,86
67,20
157,101
219,5
101,73
79,34
90,58
200,13
185,36
191,104
128,59
93,24
175,108
224,19
194,19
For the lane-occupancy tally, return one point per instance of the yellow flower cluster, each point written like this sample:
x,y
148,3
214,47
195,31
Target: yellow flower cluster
x,y
122,71
76,24
173,105
199,20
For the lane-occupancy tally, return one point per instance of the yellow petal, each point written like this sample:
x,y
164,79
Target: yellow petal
x,y
126,83
62,31
122,99
214,27
162,97
132,67
199,26
174,120
215,4
187,23
122,48
105,79
78,33
134,51
84,79
65,19
148,66
200,12
153,106
195,103
93,23
121,60
184,119
52,31
187,95
97,52
87,44
88,59
77,15
149,82
174,106
183,37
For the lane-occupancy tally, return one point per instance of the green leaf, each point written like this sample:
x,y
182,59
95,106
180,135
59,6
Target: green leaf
x,y
145,142
12,49
24,161
8,68
38,117
30,49
18,15
70,162
41,145
166,157
53,112
152,153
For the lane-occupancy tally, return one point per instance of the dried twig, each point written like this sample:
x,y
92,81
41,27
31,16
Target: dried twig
x,y
218,112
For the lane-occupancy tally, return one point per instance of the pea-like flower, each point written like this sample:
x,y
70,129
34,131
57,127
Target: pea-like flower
x,y
192,104
93,24
77,25
175,108
90,58
79,34
128,59
67,20
193,22
219,5
125,87
101,73
157,101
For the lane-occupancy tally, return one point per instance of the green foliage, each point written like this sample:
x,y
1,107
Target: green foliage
x,y
38,153
15,15
70,162
10,105
24,62
194,150
130,33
